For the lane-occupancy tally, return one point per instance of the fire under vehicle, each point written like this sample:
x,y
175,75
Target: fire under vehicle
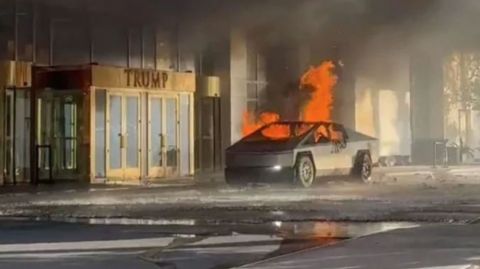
x,y
298,153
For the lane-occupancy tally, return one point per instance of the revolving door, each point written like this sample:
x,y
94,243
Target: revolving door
x,y
60,125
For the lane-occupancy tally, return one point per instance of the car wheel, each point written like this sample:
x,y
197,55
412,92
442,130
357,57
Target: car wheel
x,y
304,172
364,167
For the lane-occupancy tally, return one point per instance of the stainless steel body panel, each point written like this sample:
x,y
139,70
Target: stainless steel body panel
x,y
259,159
329,158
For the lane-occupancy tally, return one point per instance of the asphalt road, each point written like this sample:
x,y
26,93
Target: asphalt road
x,y
422,201
216,226
33,244
428,247
52,245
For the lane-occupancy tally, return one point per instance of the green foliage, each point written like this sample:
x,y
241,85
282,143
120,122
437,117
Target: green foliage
x,y
462,80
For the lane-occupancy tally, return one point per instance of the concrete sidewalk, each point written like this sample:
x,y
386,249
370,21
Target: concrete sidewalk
x,y
59,186
441,246
427,174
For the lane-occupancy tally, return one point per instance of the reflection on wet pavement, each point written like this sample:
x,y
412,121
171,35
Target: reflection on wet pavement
x,y
170,244
244,244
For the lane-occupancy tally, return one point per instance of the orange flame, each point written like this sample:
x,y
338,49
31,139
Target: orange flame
x,y
250,125
277,131
320,81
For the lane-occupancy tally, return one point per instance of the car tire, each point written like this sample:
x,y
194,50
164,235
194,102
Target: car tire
x,y
304,171
363,167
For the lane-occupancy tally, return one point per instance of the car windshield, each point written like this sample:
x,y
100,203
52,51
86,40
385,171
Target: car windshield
x,y
280,131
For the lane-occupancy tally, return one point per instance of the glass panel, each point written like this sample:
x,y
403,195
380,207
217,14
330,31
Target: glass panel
x,y
110,41
58,130
100,118
184,134
27,123
148,48
45,130
252,92
68,48
135,48
8,108
115,132
7,30
156,132
171,132
70,140
24,30
9,131
132,131
166,52
252,106
22,133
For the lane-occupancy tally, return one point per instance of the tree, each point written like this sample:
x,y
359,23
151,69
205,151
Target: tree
x,y
462,81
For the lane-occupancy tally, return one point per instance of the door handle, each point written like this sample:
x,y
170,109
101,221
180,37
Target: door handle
x,y
162,140
122,141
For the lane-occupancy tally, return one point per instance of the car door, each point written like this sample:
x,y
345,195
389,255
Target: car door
x,y
342,155
320,145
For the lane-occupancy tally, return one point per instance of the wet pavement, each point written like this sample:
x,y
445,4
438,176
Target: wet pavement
x,y
339,200
425,247
40,244
216,226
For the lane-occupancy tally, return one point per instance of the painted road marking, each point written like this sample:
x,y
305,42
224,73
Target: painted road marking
x,y
87,245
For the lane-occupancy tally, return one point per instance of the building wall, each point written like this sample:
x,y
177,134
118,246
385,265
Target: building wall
x,y
382,99
124,34
80,32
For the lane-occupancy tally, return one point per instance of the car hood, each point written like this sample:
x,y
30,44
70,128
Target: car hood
x,y
263,146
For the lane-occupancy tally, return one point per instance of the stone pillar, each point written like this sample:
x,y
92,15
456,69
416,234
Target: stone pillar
x,y
238,83
427,100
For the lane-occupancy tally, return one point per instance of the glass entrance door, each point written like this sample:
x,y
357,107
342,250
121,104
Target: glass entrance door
x,y
162,136
123,129
59,125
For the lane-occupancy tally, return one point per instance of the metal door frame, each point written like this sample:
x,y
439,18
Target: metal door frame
x,y
162,171
132,173
123,173
57,100
9,148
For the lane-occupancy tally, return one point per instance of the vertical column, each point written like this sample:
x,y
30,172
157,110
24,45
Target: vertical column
x,y
33,128
426,98
91,132
427,111
238,82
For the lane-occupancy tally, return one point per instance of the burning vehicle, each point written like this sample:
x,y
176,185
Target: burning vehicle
x,y
298,153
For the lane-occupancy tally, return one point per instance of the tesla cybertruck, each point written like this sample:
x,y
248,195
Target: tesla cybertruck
x,y
300,152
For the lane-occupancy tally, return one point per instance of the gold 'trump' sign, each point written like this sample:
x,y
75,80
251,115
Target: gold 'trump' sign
x,y
150,79
138,78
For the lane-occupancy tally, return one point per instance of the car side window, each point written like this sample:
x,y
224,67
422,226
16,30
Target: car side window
x,y
328,134
310,140
338,136
315,139
322,135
